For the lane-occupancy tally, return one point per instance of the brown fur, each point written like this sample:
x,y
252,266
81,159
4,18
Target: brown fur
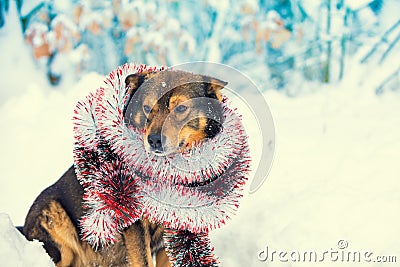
x,y
155,108
52,223
54,216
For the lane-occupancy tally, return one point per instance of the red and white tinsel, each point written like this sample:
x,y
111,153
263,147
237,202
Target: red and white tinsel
x,y
123,183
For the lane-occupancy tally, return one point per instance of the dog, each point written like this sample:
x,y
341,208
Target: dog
x,y
175,110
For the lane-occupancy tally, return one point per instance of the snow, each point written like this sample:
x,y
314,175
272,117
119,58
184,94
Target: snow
x,y
64,20
11,57
38,29
29,6
15,250
92,17
357,4
335,174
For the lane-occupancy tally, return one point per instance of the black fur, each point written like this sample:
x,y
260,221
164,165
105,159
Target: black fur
x,y
66,191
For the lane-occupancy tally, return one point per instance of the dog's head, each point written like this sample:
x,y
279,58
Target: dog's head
x,y
176,109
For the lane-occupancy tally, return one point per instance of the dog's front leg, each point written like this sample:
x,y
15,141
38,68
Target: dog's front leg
x,y
162,259
137,241
58,225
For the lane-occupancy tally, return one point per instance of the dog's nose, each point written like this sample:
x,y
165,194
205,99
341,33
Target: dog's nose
x,y
155,141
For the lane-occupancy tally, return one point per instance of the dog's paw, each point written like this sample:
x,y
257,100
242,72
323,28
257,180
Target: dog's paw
x,y
53,217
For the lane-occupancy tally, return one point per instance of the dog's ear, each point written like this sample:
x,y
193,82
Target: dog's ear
x,y
134,81
214,87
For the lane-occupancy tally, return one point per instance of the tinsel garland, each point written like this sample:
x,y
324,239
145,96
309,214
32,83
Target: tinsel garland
x,y
185,248
190,193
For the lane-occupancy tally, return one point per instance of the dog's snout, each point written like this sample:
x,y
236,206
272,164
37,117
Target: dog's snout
x,y
154,141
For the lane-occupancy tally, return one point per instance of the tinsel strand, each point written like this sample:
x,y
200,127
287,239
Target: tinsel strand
x,y
189,193
186,249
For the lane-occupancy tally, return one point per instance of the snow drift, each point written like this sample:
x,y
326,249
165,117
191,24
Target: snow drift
x,y
15,250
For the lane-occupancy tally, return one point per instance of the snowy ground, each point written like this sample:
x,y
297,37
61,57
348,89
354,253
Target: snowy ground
x,y
15,250
335,175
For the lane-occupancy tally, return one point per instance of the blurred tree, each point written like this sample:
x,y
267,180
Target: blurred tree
x,y
3,10
277,38
4,7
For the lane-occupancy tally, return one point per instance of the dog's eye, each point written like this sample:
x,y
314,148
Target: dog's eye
x,y
180,109
146,109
